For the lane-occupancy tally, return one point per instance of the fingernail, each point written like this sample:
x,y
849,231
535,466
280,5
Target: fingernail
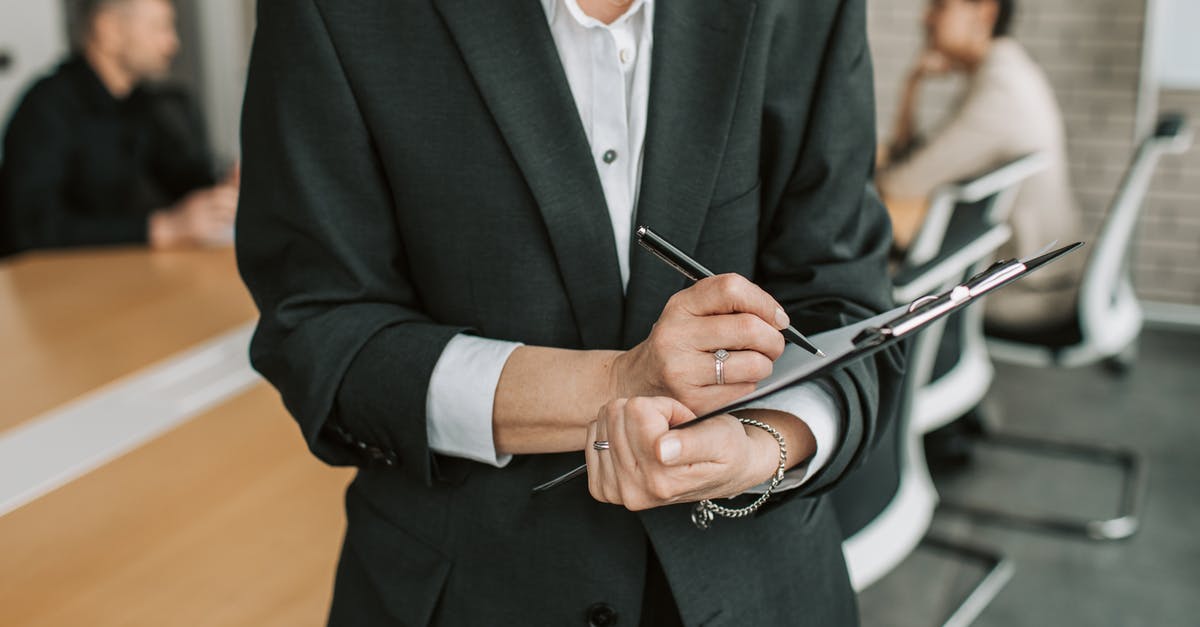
x,y
668,449
781,319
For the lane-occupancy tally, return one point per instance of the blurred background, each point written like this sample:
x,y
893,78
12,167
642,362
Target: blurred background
x,y
148,477
1114,66
212,60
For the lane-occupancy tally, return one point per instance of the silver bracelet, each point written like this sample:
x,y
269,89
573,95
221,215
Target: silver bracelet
x,y
704,511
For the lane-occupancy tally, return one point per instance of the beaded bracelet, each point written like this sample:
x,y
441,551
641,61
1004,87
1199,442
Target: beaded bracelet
x,y
704,511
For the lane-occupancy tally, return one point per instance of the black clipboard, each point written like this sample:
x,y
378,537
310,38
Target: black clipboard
x,y
863,339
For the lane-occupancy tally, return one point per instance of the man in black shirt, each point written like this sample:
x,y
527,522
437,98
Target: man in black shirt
x,y
97,154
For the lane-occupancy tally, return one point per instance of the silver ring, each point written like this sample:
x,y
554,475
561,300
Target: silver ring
x,y
600,445
720,356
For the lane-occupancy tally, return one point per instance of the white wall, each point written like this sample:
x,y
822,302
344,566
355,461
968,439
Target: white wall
x,y
32,32
1177,39
224,51
213,63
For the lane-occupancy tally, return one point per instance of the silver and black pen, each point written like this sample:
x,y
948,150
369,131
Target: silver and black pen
x,y
689,268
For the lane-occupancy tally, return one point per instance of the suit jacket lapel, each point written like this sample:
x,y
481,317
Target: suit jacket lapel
x,y
699,49
510,53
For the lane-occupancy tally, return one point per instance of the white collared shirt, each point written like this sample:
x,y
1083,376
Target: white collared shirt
x,y
608,70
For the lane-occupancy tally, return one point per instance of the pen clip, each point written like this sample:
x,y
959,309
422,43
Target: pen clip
x,y
673,257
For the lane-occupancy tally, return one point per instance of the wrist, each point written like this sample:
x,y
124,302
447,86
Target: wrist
x,y
764,452
609,377
618,382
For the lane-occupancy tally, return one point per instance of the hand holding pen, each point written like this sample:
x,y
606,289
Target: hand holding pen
x,y
692,269
712,344
713,341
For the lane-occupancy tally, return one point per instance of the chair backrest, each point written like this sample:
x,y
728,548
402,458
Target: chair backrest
x,y
970,229
867,491
992,191
1107,273
963,229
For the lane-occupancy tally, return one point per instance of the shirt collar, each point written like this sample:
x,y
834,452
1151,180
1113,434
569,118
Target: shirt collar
x,y
89,85
572,7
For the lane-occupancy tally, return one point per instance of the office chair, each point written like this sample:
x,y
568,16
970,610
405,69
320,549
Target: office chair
x,y
1109,317
886,506
958,214
1106,328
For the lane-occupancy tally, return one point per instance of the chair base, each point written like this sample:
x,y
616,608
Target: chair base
x,y
1123,362
1119,527
1000,571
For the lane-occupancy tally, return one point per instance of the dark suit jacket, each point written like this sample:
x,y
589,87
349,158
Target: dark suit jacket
x,y
417,169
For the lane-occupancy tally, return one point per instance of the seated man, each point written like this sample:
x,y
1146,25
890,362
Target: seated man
x,y
1008,111
95,154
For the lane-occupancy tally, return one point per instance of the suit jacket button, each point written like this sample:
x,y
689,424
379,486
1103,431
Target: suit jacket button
x,y
601,615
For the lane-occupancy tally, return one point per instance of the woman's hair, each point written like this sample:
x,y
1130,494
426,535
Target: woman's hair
x,y
1004,17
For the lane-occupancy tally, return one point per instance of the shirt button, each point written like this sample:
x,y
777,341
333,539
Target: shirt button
x,y
610,155
626,55
601,615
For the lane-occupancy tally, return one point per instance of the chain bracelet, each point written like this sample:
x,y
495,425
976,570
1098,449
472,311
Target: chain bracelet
x,y
704,511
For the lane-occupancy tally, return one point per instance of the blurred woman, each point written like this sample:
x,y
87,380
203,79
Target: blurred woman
x,y
1008,111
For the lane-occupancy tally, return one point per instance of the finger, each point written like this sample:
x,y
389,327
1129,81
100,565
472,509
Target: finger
x,y
644,483
591,456
225,199
608,471
741,366
708,441
636,431
733,332
710,397
622,453
730,293
677,413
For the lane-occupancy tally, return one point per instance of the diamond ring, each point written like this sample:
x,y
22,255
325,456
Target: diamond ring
x,y
720,356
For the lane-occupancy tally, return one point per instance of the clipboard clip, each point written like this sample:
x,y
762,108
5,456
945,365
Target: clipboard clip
x,y
926,309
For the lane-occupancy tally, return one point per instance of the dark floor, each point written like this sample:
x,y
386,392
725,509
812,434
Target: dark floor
x,y
1152,579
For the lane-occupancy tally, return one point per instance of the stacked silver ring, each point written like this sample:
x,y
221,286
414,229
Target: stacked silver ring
x,y
600,445
720,356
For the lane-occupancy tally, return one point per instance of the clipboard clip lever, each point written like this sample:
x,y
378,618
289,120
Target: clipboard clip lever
x,y
928,308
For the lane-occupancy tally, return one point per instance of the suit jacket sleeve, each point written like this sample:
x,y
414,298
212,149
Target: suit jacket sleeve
x,y
342,334
825,232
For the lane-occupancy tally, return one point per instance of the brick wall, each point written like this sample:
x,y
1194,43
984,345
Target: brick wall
x,y
1091,51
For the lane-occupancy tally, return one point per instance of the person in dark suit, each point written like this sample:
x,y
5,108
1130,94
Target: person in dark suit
x,y
436,220
102,152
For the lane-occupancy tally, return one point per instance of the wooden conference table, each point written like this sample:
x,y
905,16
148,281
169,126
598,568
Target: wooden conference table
x,y
224,520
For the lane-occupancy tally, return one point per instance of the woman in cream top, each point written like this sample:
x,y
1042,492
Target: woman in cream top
x,y
1008,111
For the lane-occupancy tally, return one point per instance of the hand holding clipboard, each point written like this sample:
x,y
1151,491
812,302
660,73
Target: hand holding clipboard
x,y
865,338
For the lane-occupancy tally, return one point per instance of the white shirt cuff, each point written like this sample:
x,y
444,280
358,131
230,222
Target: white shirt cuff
x,y
461,396
812,404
